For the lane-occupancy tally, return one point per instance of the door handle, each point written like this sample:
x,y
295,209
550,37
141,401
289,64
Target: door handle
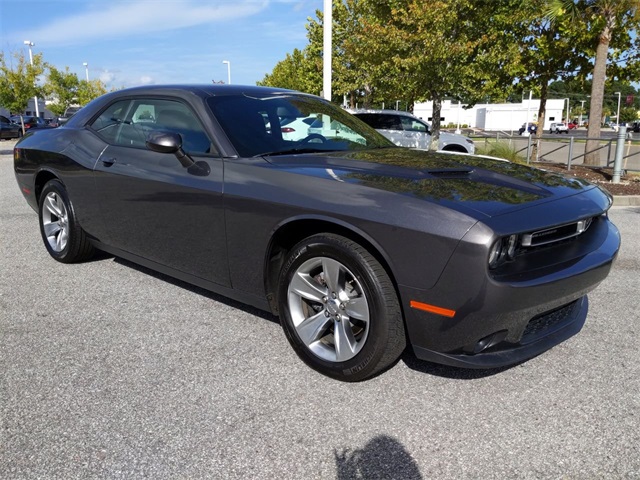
x,y
107,162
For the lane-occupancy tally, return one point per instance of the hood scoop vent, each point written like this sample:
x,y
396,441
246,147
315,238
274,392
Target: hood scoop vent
x,y
450,172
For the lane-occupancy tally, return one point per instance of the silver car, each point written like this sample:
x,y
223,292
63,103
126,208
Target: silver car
x,y
407,130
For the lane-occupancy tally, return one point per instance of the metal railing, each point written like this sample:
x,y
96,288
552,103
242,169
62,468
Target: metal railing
x,y
552,150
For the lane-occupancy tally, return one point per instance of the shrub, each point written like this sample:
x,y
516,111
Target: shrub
x,y
502,150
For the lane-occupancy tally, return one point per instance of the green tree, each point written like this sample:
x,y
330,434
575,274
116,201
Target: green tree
x,y
296,72
352,74
547,53
87,91
61,87
302,70
610,28
18,80
433,50
628,114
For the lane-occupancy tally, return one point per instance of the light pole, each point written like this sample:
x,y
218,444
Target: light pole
x,y
618,114
228,71
567,117
581,110
327,49
86,70
35,98
526,132
458,131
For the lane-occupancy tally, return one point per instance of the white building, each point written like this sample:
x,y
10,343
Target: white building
x,y
494,116
31,109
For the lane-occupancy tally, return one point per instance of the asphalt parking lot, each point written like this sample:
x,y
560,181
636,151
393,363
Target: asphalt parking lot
x,y
111,371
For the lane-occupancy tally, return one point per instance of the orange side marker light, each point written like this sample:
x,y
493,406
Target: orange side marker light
x,y
445,312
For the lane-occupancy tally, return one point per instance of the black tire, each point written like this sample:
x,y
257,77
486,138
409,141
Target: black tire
x,y
375,340
63,237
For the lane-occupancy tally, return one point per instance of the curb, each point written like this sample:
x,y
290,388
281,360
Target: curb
x,y
626,200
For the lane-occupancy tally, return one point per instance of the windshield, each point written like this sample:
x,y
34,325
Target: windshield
x,y
290,123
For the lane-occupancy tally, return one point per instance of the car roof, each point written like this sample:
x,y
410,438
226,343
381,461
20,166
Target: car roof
x,y
381,111
205,90
183,91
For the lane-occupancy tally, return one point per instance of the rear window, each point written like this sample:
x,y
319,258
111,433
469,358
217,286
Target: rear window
x,y
381,121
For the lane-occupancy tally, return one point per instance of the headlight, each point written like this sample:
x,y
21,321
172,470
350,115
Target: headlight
x,y
502,250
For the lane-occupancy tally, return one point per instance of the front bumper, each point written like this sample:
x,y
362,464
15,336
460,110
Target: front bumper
x,y
545,331
506,319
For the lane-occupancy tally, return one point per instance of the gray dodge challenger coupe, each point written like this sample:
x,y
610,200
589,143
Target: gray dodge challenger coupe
x,y
286,202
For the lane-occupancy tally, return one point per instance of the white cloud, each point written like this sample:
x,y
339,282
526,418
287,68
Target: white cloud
x,y
139,17
107,77
146,80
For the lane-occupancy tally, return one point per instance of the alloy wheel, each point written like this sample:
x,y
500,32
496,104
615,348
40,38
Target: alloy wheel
x,y
329,309
55,221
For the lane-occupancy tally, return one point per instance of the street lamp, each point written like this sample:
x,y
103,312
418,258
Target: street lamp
x,y
567,117
86,70
618,114
35,98
581,110
228,71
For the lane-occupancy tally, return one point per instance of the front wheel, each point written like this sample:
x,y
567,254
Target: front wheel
x,y
62,235
339,309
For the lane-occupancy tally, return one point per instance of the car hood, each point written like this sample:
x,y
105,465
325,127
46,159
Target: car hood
x,y
463,182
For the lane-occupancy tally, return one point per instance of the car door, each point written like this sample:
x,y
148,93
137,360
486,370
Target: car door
x,y
151,205
6,131
416,133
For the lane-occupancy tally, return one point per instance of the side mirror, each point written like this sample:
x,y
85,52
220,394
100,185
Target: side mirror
x,y
168,142
164,142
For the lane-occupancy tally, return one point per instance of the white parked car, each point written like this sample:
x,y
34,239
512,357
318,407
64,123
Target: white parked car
x,y
407,130
295,128
559,128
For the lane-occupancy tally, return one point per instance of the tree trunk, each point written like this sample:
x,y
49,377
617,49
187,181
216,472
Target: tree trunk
x,y
542,111
368,95
597,97
435,122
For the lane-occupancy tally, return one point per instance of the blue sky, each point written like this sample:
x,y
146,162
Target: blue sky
x,y
137,42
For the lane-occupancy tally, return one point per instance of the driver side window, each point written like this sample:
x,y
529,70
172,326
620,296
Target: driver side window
x,y
411,125
127,123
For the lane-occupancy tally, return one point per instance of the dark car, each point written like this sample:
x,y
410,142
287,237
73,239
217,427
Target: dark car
x,y
9,129
68,113
357,245
530,127
30,122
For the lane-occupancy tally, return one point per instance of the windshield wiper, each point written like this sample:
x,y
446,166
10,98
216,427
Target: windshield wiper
x,y
292,151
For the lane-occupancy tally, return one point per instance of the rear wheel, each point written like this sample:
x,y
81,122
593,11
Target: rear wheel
x,y
339,309
62,235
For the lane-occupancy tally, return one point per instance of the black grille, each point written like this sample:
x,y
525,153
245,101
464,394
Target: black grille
x,y
555,234
538,325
